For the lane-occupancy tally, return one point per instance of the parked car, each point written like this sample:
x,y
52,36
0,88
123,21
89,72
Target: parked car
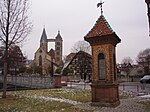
x,y
145,79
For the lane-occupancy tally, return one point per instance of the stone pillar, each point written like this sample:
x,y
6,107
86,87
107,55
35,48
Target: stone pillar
x,y
105,95
103,41
57,80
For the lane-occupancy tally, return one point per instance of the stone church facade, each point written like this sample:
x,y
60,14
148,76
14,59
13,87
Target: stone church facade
x,y
45,58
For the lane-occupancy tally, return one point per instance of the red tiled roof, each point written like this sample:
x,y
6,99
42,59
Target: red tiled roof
x,y
100,28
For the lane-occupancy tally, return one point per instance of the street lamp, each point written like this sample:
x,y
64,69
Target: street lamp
x,y
148,13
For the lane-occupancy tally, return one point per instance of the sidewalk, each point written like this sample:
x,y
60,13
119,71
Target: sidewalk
x,y
131,104
126,105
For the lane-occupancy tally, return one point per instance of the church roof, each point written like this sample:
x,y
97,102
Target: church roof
x,y
52,53
44,36
101,28
59,36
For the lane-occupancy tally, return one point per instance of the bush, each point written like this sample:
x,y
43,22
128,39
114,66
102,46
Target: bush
x,y
38,69
22,70
58,71
66,71
29,70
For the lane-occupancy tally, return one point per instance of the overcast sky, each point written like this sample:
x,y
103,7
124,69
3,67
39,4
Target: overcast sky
x,y
75,18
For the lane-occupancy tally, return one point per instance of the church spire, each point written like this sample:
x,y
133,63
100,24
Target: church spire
x,y
43,37
58,37
43,41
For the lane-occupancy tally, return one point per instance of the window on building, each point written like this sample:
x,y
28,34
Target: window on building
x,y
101,67
57,43
40,51
40,60
58,53
57,48
57,59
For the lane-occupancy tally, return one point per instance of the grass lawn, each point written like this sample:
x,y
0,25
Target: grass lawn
x,y
71,94
35,105
25,101
29,104
147,104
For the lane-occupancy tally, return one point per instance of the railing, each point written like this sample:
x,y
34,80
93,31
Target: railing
x,y
80,85
30,81
39,82
135,87
130,87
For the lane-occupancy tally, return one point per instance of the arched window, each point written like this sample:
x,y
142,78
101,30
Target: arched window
x,y
101,67
40,60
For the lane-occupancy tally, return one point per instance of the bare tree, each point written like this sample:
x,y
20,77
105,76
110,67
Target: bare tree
x,y
14,27
127,60
143,59
81,46
127,65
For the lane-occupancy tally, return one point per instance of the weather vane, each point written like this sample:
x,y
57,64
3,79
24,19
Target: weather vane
x,y
101,6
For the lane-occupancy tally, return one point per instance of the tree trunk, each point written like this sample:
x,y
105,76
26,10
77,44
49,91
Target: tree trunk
x,y
5,80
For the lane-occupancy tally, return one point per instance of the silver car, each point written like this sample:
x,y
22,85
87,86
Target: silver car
x,y
145,79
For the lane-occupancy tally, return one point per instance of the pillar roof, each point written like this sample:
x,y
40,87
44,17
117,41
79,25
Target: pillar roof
x,y
101,28
102,33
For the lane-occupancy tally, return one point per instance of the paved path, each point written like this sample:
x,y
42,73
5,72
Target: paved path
x,y
126,105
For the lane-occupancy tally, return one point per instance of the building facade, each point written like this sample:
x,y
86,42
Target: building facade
x,y
81,66
45,58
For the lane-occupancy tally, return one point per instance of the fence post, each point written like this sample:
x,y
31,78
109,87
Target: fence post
x,y
44,81
31,81
41,82
84,85
137,88
123,87
15,82
143,86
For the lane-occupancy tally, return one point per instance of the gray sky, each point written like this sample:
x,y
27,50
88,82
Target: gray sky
x,y
75,18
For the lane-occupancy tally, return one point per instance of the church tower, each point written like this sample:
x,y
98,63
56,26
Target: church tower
x,y
58,49
43,41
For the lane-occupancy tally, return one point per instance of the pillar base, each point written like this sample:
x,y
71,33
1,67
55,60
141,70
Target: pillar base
x,y
105,94
57,81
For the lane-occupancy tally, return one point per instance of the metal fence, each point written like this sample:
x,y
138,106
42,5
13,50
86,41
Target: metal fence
x,y
79,85
130,87
40,82
135,87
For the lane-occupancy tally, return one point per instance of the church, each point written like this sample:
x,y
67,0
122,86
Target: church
x,y
47,58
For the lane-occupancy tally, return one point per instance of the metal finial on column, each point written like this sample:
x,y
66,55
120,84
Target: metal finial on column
x,y
101,6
